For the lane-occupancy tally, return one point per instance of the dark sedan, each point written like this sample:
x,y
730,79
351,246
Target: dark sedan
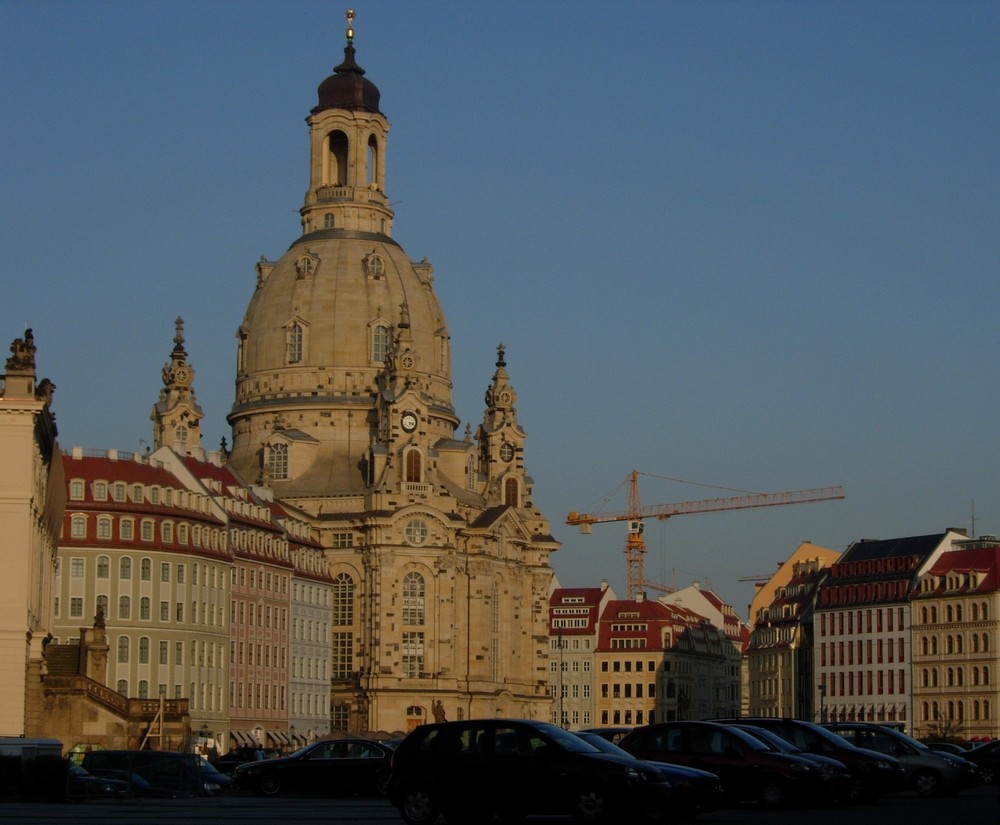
x,y
330,766
82,785
693,791
748,770
987,758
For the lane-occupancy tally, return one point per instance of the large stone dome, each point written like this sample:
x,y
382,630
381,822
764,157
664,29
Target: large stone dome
x,y
338,314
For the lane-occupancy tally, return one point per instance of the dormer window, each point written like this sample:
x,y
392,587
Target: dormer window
x,y
277,461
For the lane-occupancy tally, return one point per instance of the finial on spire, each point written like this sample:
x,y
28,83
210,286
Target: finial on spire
x,y
500,355
179,330
350,27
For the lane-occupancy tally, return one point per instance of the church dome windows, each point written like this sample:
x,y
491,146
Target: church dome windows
x,y
374,170
374,266
414,592
329,221
511,492
335,159
413,466
416,532
277,461
295,341
380,340
342,605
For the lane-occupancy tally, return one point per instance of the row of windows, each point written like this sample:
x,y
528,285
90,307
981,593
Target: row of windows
x,y
955,677
978,643
202,653
556,665
254,693
861,651
979,611
260,655
847,620
196,535
572,718
628,690
955,711
210,576
259,615
262,580
296,332
627,666
868,683
136,494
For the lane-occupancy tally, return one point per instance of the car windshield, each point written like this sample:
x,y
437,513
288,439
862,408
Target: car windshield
x,y
603,744
565,739
772,740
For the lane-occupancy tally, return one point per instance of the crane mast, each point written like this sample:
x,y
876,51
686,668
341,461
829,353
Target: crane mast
x,y
635,513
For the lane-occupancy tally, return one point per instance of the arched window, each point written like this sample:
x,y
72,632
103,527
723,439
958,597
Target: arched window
x,y
414,466
124,608
959,645
984,612
336,159
125,568
328,221
949,645
103,567
374,173
278,461
380,343
923,645
413,599
511,490
295,344
986,643
986,675
923,615
123,687
934,645
78,527
934,615
146,570
123,648
975,612
143,689
949,615
144,650
102,605
144,608
342,612
958,612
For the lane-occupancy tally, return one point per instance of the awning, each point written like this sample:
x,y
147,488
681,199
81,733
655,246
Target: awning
x,y
278,736
243,739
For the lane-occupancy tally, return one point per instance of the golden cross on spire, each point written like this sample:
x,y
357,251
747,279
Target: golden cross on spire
x,y
350,26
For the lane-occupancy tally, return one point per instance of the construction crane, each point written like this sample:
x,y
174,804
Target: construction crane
x,y
635,513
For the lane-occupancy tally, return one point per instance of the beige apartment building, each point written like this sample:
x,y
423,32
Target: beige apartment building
x,y
31,506
862,643
956,619
573,617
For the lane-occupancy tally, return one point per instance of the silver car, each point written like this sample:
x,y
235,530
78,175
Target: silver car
x,y
929,772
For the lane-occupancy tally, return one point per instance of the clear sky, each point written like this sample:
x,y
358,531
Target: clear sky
x,y
745,244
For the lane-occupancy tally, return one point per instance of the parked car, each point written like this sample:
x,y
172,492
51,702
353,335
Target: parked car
x,y
949,747
83,786
874,773
835,774
213,781
749,770
928,772
473,769
693,791
613,734
329,766
149,773
987,758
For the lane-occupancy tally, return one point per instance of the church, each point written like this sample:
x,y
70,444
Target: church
x,y
439,558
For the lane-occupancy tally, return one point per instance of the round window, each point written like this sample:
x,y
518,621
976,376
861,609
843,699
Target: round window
x,y
416,531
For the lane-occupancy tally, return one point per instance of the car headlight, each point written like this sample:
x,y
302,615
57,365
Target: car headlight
x,y
636,775
883,766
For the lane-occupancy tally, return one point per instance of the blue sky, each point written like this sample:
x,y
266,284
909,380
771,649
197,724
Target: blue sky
x,y
753,245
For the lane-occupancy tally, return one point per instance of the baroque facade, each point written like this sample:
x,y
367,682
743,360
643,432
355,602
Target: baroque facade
x,y
438,557
31,506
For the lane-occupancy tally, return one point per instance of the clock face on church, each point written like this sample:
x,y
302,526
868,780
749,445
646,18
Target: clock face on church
x,y
182,375
408,422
